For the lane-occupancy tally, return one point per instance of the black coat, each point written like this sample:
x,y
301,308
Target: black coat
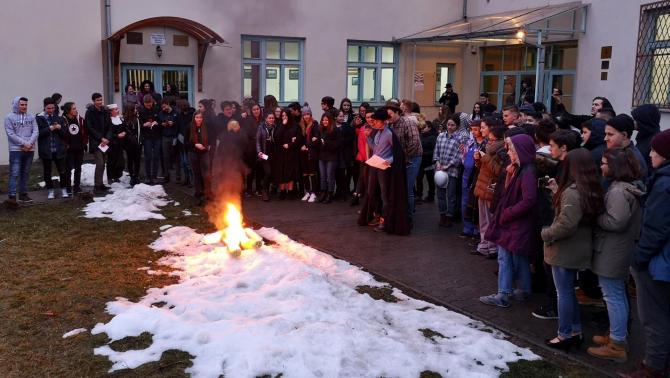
x,y
330,143
347,146
286,166
98,126
46,136
149,115
648,120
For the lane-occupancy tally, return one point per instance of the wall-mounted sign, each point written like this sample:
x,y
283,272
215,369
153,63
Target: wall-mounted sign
x,y
157,39
418,81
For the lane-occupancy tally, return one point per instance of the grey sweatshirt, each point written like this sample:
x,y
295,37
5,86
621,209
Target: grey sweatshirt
x,y
21,128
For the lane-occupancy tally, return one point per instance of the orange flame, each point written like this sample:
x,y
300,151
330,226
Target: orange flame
x,y
234,235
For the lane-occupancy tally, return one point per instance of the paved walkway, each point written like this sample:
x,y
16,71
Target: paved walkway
x,y
433,262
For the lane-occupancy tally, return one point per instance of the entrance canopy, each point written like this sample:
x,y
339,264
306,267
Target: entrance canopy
x,y
202,34
560,21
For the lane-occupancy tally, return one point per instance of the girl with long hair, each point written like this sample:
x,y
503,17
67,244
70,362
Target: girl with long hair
x,y
568,244
129,133
328,141
309,155
265,150
199,142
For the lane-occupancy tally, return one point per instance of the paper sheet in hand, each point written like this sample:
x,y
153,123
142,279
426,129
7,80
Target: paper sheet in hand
x,y
377,162
103,148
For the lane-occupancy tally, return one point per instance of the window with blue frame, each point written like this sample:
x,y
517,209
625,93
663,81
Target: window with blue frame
x,y
273,66
371,72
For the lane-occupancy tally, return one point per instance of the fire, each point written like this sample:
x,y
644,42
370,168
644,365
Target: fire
x,y
234,235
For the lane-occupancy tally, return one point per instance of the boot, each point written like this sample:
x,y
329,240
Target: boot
x,y
612,351
64,193
329,198
601,340
51,194
322,197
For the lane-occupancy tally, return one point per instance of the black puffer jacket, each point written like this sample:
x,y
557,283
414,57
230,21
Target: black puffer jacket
x,y
648,120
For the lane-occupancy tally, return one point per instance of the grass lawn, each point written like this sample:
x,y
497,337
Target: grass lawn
x,y
59,270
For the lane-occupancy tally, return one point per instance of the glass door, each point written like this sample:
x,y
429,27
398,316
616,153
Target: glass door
x,y
565,81
179,77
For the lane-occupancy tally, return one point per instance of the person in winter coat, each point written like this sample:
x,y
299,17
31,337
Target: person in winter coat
x,y
265,150
428,135
151,138
615,237
593,136
287,156
489,161
128,134
647,123
470,172
52,148
651,263
568,245
99,129
309,155
618,134
512,225
184,120
329,137
199,155
76,139
147,88
345,154
249,128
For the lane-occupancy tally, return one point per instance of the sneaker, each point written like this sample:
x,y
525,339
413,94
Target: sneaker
x,y
495,300
25,198
547,312
312,198
374,222
306,197
64,193
51,194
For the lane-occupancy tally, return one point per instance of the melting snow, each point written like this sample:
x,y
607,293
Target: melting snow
x,y
288,308
74,332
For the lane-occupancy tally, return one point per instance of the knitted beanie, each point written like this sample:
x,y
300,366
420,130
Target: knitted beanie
x,y
623,123
661,144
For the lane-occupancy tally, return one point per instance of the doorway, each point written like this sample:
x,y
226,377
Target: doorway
x,y
181,77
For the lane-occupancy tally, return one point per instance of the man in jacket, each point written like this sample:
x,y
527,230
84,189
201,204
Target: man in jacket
x,y
51,146
647,123
99,128
651,263
449,98
618,133
167,118
22,132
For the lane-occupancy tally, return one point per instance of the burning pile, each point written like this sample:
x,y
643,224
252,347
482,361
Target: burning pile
x,y
234,236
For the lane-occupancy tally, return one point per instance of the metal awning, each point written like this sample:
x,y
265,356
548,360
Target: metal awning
x,y
558,20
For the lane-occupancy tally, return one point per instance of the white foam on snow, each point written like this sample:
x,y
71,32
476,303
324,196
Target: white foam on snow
x,y
288,308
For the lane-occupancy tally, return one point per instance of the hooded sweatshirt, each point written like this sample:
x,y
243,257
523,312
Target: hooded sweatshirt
x,y
596,142
21,128
648,120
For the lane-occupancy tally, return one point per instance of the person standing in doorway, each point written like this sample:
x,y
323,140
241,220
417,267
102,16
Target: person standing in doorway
x,y
449,98
151,138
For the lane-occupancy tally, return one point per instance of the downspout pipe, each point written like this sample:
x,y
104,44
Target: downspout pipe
x,y
110,62
465,9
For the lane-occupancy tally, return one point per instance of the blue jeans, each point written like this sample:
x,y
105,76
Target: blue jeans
x,y
413,165
152,156
19,170
569,321
327,172
513,267
446,198
614,294
468,227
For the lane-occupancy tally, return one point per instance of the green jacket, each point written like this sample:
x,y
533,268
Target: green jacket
x,y
618,230
568,242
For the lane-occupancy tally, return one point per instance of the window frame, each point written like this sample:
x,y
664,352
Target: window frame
x,y
646,54
282,62
378,65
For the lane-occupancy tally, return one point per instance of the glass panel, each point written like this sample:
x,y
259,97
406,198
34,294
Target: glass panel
x,y
513,60
564,57
353,75
291,83
660,77
509,90
178,80
352,53
443,76
252,73
663,27
369,79
272,80
252,49
388,54
387,84
369,54
529,89
272,50
531,58
492,59
292,50
136,77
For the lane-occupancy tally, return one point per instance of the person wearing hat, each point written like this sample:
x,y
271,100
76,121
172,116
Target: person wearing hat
x,y
618,133
449,98
651,263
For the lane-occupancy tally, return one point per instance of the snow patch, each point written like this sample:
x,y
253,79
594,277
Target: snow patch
x,y
140,202
74,332
288,308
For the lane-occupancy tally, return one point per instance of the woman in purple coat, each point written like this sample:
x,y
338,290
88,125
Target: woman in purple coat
x,y
512,224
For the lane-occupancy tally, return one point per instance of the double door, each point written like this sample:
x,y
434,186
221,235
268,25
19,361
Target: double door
x,y
179,77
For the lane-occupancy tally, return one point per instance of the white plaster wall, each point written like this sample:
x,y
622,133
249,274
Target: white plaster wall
x,y
45,49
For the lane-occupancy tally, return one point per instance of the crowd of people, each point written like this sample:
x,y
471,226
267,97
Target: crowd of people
x,y
556,198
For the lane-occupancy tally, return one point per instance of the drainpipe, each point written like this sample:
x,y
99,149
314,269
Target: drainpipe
x,y
110,62
539,69
465,9
413,71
